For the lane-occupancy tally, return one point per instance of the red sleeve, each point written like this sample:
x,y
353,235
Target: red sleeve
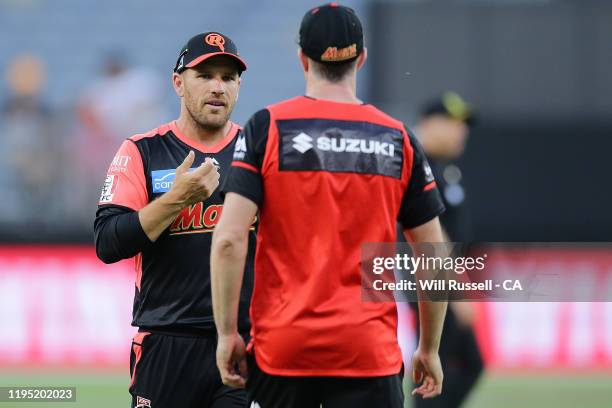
x,y
125,182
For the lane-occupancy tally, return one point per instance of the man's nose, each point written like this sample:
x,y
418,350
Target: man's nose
x,y
218,86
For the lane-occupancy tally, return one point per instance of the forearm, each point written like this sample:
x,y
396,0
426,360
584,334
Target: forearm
x,y
431,312
118,234
158,215
227,262
431,321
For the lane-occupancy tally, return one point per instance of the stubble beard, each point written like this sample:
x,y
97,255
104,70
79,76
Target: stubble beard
x,y
199,119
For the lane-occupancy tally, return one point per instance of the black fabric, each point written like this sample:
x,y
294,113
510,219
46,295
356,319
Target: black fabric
x,y
270,391
246,183
420,203
211,42
255,137
340,146
457,218
118,233
180,371
250,149
331,33
173,287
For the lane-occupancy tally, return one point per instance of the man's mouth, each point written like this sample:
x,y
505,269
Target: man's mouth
x,y
215,104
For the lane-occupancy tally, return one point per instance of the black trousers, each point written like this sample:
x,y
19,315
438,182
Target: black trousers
x,y
179,371
461,362
270,391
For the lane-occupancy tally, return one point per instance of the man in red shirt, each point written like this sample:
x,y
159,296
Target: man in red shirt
x,y
327,173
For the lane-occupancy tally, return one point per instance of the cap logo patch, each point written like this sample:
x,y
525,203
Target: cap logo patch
x,y
216,40
342,54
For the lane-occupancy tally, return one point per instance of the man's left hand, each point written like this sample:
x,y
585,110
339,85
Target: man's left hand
x,y
231,360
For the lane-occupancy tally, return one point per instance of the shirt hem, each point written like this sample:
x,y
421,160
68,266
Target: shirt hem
x,y
382,372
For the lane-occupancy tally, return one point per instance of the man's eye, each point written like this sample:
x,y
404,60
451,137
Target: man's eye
x,y
228,78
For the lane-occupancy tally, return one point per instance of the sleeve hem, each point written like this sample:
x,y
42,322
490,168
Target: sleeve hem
x,y
418,221
246,194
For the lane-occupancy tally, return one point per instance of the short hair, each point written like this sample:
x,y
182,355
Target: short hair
x,y
333,72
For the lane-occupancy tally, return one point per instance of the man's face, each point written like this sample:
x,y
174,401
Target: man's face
x,y
446,137
210,91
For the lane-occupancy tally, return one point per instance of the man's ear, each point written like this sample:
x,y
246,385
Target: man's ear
x,y
178,84
362,58
303,60
238,90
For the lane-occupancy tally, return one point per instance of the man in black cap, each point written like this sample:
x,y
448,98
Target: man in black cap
x,y
327,174
443,128
159,205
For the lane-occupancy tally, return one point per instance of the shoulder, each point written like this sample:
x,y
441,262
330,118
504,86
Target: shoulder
x,y
259,122
386,118
151,134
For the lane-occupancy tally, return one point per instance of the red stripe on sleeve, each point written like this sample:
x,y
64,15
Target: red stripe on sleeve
x,y
245,166
429,186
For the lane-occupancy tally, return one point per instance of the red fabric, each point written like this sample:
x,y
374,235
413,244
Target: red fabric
x,y
137,349
245,166
125,182
430,186
307,312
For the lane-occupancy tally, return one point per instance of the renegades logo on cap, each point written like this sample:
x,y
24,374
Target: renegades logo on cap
x,y
216,40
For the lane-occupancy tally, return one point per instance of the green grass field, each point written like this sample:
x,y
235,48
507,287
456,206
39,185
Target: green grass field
x,y
495,390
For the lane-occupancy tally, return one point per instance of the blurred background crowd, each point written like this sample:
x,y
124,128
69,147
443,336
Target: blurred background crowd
x,y
77,78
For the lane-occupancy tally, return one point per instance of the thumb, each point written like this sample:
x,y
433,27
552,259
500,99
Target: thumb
x,y
244,370
206,167
417,374
186,164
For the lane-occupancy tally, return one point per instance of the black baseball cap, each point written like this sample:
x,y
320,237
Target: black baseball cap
x,y
331,33
452,105
204,46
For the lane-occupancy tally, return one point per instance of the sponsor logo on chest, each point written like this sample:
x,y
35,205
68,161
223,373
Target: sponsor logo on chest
x,y
162,180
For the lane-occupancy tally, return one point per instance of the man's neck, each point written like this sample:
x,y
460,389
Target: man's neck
x,y
192,131
344,91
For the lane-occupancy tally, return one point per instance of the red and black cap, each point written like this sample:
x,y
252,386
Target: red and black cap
x,y
331,33
204,46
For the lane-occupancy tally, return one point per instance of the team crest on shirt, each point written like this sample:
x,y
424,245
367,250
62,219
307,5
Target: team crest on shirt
x,y
240,148
108,189
429,177
142,402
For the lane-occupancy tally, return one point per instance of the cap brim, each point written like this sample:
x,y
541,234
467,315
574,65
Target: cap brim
x,y
202,58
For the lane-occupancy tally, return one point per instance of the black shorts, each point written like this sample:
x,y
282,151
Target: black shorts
x,y
270,391
179,371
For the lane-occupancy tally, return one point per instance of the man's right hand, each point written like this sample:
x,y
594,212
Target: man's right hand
x,y
188,188
195,186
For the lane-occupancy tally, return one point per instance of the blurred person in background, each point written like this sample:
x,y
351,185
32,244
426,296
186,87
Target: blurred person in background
x,y
442,129
159,205
31,147
124,100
